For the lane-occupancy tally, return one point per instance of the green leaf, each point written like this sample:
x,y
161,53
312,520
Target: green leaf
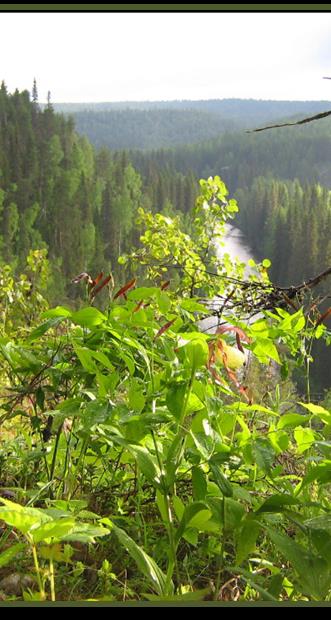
x,y
264,454
320,472
59,311
199,520
94,412
179,507
102,358
197,353
279,440
221,480
197,595
193,306
318,411
199,484
290,420
320,523
53,531
234,512
276,503
146,463
22,518
322,542
315,578
204,444
195,515
9,554
145,563
162,506
246,539
43,328
85,358
84,533
264,348
88,317
54,552
164,302
304,438
174,457
136,398
314,408
19,520
142,293
175,398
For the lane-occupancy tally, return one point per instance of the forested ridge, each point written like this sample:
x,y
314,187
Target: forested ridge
x,y
149,124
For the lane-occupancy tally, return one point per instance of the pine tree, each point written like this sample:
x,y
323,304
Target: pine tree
x,y
49,103
35,93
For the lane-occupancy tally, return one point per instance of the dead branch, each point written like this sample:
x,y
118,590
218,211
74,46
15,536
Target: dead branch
x,y
305,120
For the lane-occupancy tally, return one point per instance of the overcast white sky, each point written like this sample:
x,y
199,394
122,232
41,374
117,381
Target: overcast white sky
x,y
155,56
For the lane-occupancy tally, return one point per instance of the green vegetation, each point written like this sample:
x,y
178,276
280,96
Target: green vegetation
x,y
136,464
142,456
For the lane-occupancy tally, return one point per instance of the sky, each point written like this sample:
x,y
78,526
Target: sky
x,y
90,57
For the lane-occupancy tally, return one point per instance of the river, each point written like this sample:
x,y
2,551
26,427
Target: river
x,y
234,244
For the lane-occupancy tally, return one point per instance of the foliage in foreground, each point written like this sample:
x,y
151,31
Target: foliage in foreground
x,y
138,462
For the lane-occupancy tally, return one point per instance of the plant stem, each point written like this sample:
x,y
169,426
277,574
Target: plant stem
x,y
37,568
51,579
308,354
58,434
221,556
187,396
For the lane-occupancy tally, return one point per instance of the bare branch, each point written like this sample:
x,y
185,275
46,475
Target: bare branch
x,y
305,120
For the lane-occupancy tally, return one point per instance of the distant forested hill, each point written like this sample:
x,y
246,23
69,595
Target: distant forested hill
x,y
146,125
147,129
302,152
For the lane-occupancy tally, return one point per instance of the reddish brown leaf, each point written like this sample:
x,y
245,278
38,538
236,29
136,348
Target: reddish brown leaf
x,y
239,345
212,356
165,285
98,278
216,376
324,316
164,328
138,306
246,393
125,288
236,330
100,287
